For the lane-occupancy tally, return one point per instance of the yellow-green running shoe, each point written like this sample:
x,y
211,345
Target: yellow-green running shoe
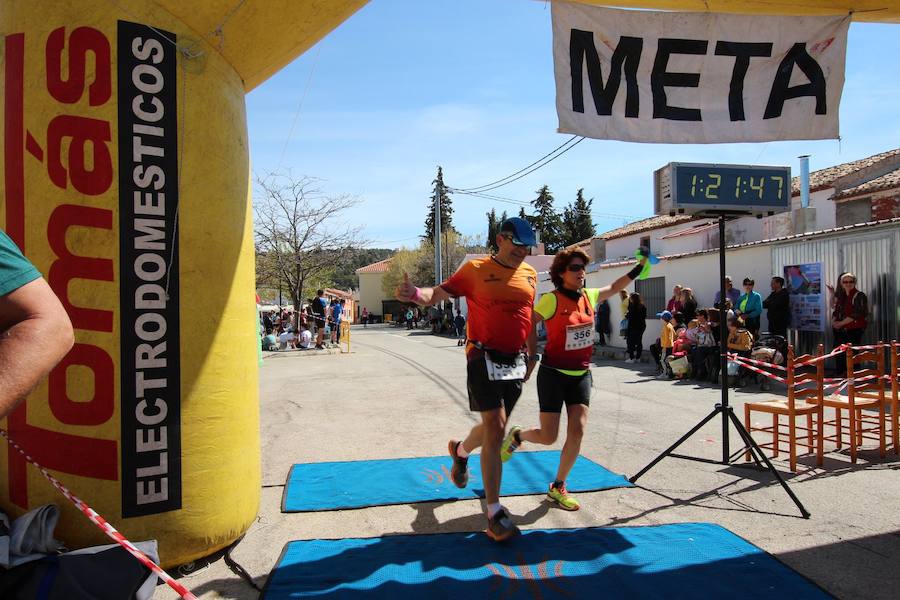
x,y
561,496
509,444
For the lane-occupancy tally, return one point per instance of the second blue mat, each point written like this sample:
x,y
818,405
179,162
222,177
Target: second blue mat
x,y
357,484
683,561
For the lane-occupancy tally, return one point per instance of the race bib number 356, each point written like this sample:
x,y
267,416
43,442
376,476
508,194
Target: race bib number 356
x,y
579,336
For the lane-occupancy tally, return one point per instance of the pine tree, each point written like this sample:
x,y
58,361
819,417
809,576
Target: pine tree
x,y
577,224
522,214
493,229
440,191
547,221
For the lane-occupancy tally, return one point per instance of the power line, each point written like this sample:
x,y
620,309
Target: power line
x,y
526,204
566,143
540,164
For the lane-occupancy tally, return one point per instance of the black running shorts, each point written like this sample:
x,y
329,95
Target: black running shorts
x,y
555,389
485,394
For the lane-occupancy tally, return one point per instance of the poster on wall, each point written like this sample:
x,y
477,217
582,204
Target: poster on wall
x,y
804,284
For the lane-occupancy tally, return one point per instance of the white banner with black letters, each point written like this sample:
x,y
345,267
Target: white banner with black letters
x,y
697,78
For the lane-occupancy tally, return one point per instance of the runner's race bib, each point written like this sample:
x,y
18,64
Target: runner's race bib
x,y
579,336
506,371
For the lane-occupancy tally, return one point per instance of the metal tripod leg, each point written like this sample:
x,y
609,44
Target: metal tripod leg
x,y
748,439
680,441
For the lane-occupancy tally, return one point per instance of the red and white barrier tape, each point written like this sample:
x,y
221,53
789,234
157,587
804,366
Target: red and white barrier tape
x,y
742,361
100,522
761,363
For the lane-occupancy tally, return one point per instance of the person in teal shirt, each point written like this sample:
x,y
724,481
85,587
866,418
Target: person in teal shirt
x,y
35,331
749,306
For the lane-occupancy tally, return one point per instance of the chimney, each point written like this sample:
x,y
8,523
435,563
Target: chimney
x,y
805,216
598,249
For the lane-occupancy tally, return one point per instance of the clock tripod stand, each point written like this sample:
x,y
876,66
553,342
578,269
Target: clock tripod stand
x,y
723,408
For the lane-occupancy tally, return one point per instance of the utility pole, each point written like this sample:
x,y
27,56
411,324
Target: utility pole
x,y
438,271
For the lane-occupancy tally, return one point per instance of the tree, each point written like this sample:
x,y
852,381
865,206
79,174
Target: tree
x,y
576,223
299,235
345,277
547,221
440,191
493,229
418,263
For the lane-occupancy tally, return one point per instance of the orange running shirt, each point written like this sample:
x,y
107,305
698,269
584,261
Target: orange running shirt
x,y
499,299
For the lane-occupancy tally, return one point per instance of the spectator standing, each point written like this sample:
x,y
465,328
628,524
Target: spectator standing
x,y
409,318
365,317
460,324
674,305
338,314
319,306
850,316
604,325
749,307
688,305
636,314
663,349
730,293
778,308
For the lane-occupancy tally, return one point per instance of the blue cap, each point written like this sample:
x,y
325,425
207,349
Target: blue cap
x,y
522,233
665,315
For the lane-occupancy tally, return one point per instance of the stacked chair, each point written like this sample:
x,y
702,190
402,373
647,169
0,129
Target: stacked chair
x,y
865,404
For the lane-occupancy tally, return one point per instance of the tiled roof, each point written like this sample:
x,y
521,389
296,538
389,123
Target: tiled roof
x,y
380,267
823,178
797,236
690,230
885,182
338,293
648,224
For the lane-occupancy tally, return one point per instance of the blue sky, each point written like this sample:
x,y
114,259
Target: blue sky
x,y
406,85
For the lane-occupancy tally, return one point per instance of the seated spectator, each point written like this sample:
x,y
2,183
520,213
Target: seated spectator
x,y
287,340
306,339
704,351
740,342
269,341
663,348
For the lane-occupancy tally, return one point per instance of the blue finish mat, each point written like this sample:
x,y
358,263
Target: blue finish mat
x,y
339,485
689,560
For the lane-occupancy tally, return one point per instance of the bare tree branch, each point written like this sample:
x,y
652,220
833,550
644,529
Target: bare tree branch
x,y
300,234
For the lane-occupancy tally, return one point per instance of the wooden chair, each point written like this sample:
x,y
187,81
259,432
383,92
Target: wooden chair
x,y
805,393
865,392
895,395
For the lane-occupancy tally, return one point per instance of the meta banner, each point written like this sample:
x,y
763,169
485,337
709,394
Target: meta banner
x,y
697,78
148,246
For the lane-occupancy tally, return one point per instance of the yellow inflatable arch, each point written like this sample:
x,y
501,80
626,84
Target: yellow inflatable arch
x,y
124,178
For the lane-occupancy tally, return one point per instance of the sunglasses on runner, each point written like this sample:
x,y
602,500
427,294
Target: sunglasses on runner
x,y
575,268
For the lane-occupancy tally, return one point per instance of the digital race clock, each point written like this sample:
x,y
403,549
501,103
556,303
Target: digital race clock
x,y
692,188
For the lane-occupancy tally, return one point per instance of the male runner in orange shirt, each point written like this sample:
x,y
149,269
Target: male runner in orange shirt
x,y
499,292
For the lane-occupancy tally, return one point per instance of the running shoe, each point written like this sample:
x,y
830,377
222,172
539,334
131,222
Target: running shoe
x,y
459,472
500,527
509,444
561,496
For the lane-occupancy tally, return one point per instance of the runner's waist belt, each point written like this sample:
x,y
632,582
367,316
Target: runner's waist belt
x,y
501,358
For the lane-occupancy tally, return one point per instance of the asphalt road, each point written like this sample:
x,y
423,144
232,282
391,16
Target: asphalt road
x,y
402,394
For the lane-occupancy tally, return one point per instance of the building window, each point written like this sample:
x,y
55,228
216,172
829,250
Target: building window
x,y
653,293
645,242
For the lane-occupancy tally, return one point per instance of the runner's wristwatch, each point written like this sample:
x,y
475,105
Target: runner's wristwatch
x,y
533,358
